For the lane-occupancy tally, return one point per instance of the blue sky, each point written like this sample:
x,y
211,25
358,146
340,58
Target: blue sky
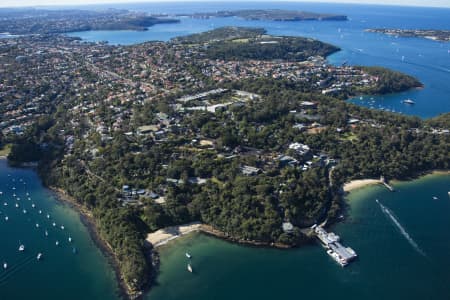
x,y
11,3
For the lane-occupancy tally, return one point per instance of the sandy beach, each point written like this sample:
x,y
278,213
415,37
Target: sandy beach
x,y
359,183
162,236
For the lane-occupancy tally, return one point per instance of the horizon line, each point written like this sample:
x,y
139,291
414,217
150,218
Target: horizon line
x,y
121,2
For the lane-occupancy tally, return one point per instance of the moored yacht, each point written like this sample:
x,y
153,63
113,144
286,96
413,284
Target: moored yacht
x,y
408,101
188,255
5,265
189,267
39,256
21,248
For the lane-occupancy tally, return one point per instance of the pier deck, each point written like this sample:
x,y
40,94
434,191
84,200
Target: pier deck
x,y
341,254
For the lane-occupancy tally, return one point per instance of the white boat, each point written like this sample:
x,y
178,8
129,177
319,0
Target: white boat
x,y
39,256
24,211
27,194
5,265
54,224
17,204
189,267
33,206
40,211
21,248
48,216
5,204
62,227
435,198
46,233
57,243
37,225
70,239
408,101
6,218
188,255
18,198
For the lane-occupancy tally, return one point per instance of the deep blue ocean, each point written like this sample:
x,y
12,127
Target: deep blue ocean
x,y
427,60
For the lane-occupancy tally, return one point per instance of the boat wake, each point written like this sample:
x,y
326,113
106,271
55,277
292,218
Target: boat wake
x,y
8,273
413,243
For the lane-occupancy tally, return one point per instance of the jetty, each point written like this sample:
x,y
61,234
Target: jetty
x,y
331,242
383,181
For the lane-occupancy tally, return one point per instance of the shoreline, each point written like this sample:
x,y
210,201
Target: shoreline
x,y
362,183
358,184
165,235
89,222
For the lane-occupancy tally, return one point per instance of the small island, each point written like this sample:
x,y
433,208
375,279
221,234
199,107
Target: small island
x,y
431,34
269,15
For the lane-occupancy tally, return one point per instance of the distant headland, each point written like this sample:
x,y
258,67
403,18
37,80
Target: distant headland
x,y
269,15
42,21
432,34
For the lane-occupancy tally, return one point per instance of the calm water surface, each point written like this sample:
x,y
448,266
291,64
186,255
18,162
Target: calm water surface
x,y
60,274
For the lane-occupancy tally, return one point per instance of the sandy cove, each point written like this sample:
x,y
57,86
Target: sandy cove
x,y
165,235
359,183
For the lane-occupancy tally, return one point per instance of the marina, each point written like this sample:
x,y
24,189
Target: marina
x,y
331,241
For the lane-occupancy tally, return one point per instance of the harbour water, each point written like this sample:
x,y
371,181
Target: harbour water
x,y
60,273
427,60
406,262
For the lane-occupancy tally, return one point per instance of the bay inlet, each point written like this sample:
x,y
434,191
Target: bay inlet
x,y
388,267
74,269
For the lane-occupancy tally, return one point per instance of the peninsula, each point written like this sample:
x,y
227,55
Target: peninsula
x,y
431,34
269,15
224,128
23,21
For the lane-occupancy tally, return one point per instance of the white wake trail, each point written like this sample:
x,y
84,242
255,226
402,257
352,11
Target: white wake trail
x,y
413,243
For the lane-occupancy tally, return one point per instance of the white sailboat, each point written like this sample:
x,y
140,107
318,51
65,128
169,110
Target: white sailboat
x,y
39,256
188,255
189,268
5,265
21,248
